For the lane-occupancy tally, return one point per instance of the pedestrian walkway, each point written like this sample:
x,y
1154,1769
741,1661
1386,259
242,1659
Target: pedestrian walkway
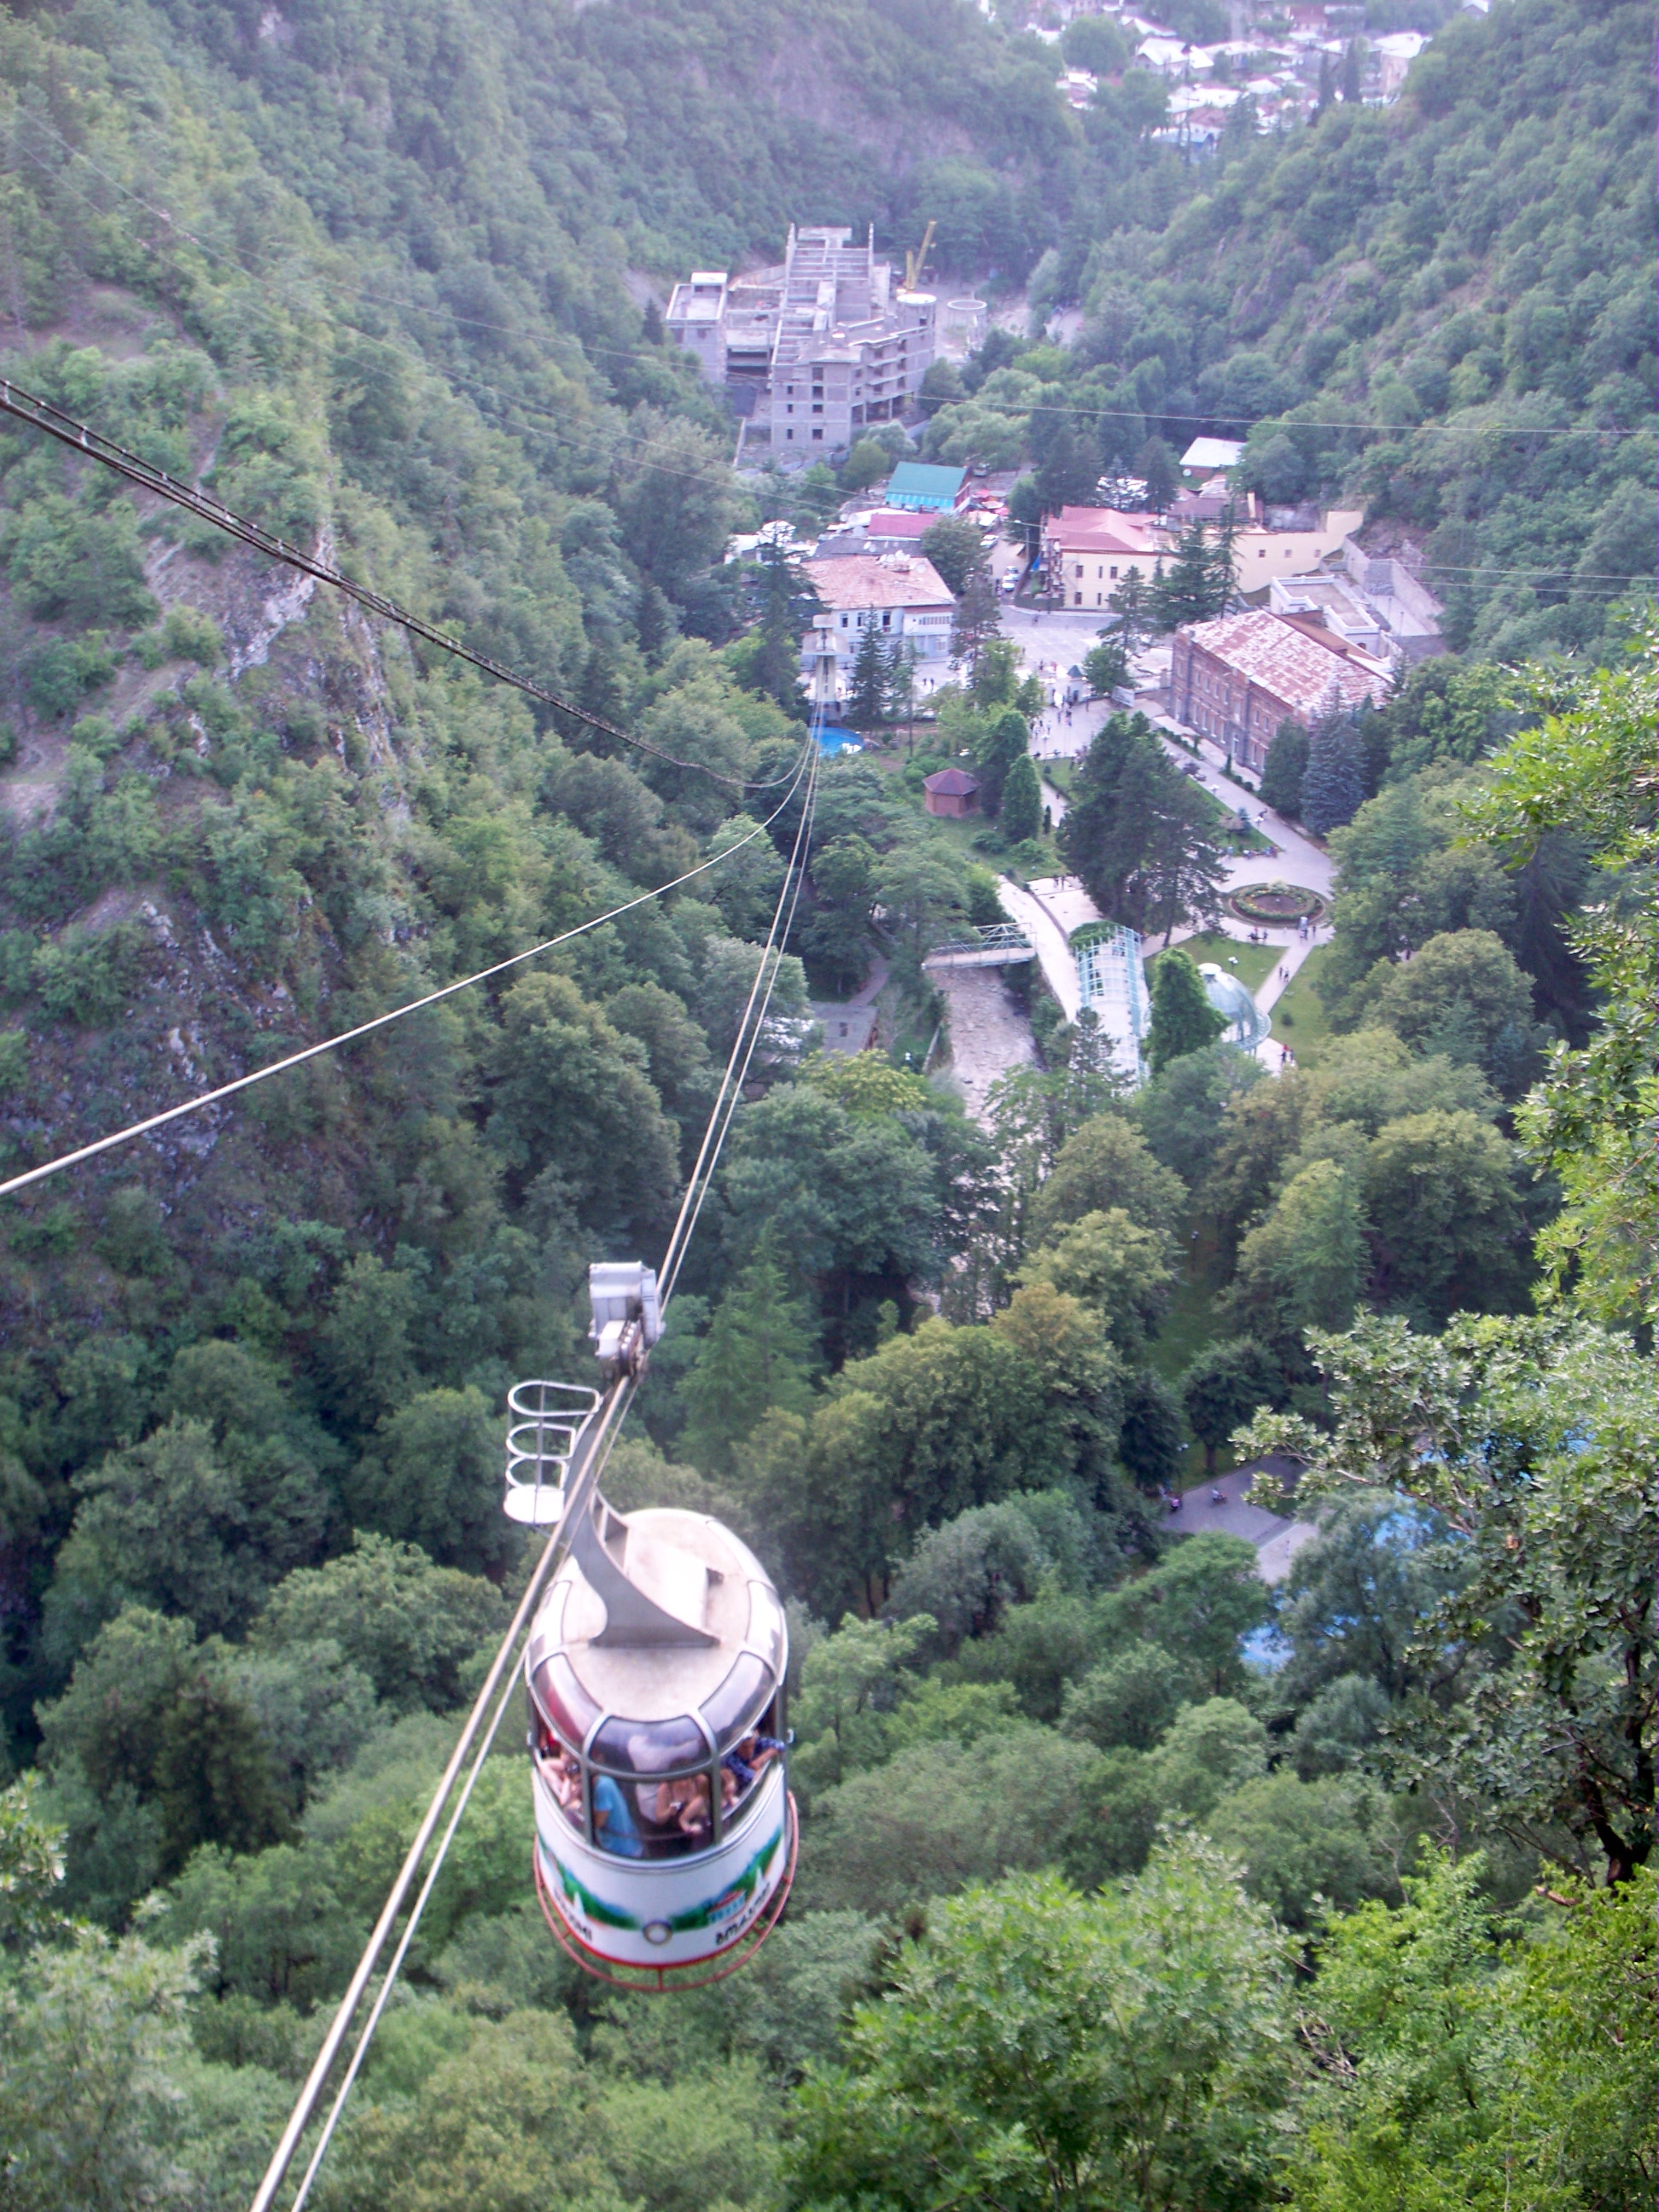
x,y
849,1024
1270,1052
1046,912
1048,934
1268,995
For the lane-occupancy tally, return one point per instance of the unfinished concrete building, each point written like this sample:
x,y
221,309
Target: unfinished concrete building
x,y
813,349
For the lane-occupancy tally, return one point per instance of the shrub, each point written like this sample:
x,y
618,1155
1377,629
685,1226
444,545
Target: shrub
x,y
14,1060
87,975
67,561
189,634
60,675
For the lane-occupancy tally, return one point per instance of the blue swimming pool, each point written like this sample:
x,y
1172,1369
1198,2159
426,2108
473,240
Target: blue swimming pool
x,y
833,739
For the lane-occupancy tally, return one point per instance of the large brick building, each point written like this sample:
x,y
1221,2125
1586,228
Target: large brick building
x,y
1238,677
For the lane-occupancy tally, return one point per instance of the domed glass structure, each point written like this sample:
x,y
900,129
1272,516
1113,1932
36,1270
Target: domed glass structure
x,y
1247,1024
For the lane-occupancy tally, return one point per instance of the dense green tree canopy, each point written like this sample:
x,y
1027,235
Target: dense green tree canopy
x,y
1080,2049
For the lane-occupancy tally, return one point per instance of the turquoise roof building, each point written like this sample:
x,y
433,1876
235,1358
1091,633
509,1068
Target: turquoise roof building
x,y
924,488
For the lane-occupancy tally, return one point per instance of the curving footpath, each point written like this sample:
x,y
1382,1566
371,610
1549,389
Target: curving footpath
x,y
1048,935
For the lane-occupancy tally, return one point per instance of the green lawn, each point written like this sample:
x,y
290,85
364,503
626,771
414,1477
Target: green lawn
x,y
1299,1018
1188,1327
1255,962
1243,839
960,831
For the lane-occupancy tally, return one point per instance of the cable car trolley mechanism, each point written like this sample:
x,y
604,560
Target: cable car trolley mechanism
x,y
666,1833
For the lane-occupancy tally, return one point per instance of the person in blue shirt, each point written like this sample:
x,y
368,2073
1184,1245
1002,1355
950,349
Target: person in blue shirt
x,y
614,1825
746,1760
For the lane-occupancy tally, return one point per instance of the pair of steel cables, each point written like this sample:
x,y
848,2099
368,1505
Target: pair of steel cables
x,y
41,414
476,1741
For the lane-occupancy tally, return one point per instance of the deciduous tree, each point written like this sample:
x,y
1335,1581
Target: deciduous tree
x,y
1183,1020
1222,1387
1533,1440
1108,1163
1057,2053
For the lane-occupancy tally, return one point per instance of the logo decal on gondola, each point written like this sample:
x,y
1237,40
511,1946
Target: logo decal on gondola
x,y
706,1915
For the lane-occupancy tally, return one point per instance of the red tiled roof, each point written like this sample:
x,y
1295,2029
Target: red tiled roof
x,y
1104,530
1290,660
950,783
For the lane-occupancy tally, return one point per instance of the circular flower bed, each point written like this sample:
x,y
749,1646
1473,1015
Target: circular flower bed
x,y
1274,903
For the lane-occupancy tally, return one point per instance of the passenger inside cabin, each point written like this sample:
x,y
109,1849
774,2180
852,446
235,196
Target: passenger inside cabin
x,y
744,1764
562,1773
567,1780
682,1804
614,1827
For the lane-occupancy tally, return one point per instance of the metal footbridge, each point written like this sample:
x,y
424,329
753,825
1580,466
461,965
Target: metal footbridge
x,y
1000,944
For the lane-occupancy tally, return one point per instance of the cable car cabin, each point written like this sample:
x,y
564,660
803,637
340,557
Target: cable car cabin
x,y
665,1829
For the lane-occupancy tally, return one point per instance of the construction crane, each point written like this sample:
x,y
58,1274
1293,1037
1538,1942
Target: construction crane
x,y
915,264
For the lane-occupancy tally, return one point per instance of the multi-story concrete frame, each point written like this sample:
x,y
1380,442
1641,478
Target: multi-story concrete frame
x,y
825,343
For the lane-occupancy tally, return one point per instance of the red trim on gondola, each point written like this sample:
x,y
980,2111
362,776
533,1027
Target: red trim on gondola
x,y
669,1980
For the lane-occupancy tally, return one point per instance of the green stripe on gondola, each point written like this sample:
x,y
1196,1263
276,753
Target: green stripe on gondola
x,y
700,1916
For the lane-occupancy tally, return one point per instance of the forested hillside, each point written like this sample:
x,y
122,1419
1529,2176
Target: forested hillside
x,y
1124,1880
1435,312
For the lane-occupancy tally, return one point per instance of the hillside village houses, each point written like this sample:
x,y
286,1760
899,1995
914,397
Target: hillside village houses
x,y
1275,58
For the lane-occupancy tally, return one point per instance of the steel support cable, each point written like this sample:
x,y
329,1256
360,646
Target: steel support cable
x,y
613,1405
41,414
581,1486
381,1021
707,1182
768,968
766,973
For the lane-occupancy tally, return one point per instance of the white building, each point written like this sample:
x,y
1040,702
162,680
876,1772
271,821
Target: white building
x,y
815,347
1212,453
1394,54
1408,610
900,596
